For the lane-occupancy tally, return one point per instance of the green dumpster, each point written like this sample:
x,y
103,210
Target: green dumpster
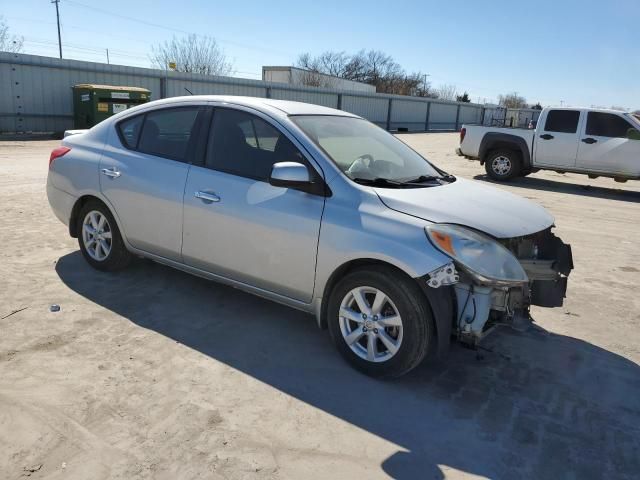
x,y
94,103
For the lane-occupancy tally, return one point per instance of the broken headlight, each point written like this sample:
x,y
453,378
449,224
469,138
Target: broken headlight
x,y
486,260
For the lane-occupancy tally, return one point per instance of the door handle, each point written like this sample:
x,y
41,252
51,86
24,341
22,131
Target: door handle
x,y
546,136
589,140
207,197
111,172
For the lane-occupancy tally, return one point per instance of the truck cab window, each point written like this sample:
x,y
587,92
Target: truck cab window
x,y
607,125
562,121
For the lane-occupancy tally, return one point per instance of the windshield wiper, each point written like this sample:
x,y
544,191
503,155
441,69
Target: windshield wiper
x,y
428,178
385,182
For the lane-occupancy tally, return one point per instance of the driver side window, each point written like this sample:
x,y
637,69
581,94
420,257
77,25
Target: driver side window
x,y
601,124
245,145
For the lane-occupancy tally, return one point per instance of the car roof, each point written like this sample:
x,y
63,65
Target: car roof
x,y
287,107
590,109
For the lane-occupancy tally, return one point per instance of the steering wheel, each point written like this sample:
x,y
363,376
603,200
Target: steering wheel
x,y
360,159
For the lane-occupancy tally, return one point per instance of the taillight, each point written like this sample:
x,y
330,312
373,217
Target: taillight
x,y
463,132
57,153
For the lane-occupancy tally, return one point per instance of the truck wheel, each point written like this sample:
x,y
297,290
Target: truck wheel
x,y
502,165
380,321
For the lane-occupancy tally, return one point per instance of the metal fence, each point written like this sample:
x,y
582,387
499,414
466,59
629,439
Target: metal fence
x,y
511,117
35,95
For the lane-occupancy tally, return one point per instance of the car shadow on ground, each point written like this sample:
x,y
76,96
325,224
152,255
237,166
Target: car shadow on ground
x,y
544,184
538,404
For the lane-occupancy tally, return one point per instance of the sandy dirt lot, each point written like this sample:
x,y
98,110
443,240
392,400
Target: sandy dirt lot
x,y
152,373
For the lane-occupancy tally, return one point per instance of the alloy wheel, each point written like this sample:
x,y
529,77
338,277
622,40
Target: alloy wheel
x,y
370,324
501,165
96,235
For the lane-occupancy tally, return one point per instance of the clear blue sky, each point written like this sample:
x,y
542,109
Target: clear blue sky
x,y
578,52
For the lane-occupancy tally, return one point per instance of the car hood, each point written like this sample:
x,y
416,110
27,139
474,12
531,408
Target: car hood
x,y
465,202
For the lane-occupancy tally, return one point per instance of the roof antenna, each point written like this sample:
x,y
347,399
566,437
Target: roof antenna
x,y
190,92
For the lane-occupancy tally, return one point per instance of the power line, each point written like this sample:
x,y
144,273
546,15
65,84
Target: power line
x,y
100,52
173,29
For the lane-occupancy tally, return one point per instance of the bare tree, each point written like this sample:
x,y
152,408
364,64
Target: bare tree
x,y
512,100
8,42
312,78
447,92
193,54
373,67
329,63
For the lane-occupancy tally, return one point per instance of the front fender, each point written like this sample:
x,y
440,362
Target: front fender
x,y
373,231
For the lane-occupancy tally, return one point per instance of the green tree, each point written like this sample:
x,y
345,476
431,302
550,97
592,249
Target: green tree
x,y
463,98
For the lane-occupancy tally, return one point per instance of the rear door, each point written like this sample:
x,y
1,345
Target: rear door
x,y
143,174
236,224
557,140
606,145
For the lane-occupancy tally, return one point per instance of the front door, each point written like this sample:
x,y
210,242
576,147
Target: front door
x,y
239,226
606,145
143,173
556,142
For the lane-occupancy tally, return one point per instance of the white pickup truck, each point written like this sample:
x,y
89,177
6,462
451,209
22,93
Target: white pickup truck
x,y
595,142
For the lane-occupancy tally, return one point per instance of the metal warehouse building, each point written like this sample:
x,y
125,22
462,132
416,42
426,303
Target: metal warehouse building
x,y
36,95
301,77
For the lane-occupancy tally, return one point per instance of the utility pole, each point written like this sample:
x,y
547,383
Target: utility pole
x,y
108,56
58,20
424,79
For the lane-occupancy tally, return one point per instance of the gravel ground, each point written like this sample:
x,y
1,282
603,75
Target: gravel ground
x,y
152,373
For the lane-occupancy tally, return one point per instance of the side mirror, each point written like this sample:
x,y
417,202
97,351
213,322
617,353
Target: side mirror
x,y
289,174
296,176
633,134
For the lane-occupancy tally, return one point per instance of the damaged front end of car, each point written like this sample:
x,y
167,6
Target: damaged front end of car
x,y
495,281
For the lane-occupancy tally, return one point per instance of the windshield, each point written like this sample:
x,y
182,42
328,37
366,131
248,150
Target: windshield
x,y
364,151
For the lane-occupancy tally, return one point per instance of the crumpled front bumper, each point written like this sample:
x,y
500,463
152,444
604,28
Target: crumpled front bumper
x,y
478,307
549,272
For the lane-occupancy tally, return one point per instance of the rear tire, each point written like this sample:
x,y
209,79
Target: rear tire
x,y
397,327
502,165
99,238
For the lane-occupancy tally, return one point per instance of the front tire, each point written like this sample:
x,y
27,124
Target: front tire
x,y
99,238
502,165
380,321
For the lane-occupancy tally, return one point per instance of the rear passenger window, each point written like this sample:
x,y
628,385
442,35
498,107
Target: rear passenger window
x,y
607,125
245,145
166,133
130,131
562,121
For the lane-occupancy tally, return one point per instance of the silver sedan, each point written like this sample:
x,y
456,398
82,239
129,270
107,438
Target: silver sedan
x,y
314,208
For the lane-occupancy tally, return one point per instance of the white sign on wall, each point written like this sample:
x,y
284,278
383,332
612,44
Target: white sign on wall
x,y
119,107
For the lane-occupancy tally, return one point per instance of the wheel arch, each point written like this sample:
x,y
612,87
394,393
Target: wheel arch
x,y
440,301
81,201
495,140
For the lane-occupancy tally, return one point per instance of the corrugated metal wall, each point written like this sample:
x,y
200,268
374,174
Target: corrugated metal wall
x,y
442,116
35,95
372,108
510,117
